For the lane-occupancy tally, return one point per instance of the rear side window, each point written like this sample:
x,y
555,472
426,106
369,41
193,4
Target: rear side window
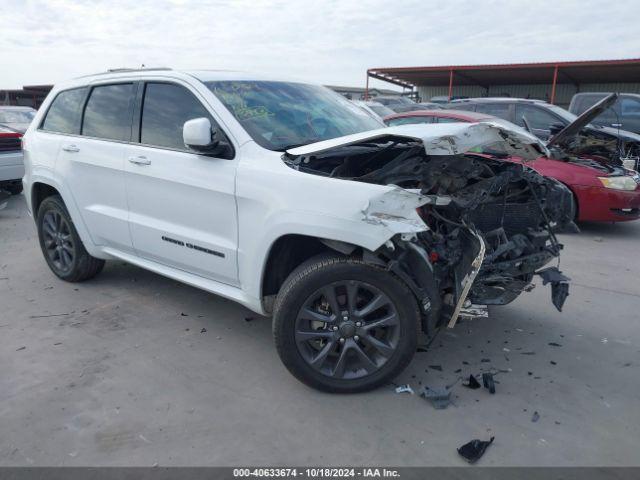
x,y
108,112
64,114
496,109
165,109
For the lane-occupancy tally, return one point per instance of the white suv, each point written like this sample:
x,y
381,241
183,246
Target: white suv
x,y
290,200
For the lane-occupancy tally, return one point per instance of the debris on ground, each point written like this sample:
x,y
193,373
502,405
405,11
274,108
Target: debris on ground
x,y
554,344
439,397
535,417
182,314
485,360
473,384
473,450
597,239
422,350
488,382
21,348
404,389
527,353
249,319
436,367
553,363
204,330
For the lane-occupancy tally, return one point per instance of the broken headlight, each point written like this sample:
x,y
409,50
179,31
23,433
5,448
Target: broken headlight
x,y
619,183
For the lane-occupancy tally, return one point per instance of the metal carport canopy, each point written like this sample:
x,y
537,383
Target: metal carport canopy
x,y
579,72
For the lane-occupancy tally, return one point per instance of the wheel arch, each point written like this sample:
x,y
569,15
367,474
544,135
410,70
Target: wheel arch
x,y
289,251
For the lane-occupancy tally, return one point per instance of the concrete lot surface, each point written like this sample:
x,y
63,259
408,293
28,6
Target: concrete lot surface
x,y
116,371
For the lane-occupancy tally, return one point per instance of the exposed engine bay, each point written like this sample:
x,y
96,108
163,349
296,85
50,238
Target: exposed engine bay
x,y
489,222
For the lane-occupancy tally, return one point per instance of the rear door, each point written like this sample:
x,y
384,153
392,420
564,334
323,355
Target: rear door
x,y
182,209
92,163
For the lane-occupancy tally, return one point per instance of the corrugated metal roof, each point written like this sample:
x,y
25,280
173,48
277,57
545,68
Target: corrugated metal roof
x,y
577,72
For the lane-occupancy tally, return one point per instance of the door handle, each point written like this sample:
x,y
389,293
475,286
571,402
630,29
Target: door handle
x,y
71,148
616,125
140,160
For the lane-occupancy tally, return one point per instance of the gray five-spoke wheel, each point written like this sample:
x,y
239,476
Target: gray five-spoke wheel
x,y
58,241
347,329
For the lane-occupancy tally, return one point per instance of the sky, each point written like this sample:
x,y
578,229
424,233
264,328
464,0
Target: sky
x,y
329,42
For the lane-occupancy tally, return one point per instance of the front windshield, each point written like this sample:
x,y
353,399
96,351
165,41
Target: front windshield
x,y
282,115
16,116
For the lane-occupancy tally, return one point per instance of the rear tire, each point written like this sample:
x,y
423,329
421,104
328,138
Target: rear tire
x,y
61,245
356,341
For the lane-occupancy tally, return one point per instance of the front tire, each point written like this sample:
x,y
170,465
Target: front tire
x,y
342,325
61,245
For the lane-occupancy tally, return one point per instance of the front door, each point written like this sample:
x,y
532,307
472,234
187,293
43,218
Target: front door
x,y
182,209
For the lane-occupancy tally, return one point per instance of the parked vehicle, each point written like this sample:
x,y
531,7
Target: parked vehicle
x,y
604,192
624,114
16,118
545,120
11,166
398,103
442,99
287,198
375,109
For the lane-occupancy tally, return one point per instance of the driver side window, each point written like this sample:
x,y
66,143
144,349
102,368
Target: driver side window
x,y
165,108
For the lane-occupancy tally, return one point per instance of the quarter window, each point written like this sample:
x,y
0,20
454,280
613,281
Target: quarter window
x,y
165,109
409,120
108,112
64,114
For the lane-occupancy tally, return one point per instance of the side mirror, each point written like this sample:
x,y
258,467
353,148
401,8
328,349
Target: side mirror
x,y
199,135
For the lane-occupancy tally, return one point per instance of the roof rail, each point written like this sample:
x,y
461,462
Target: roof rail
x,y
141,69
124,70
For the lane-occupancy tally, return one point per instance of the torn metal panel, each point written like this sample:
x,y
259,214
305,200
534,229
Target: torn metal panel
x,y
396,209
440,139
467,282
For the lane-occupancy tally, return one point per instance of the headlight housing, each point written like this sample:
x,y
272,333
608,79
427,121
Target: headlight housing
x,y
623,182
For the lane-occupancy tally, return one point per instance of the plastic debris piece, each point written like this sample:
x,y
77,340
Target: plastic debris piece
x,y
473,451
489,384
248,319
439,397
553,363
527,353
473,384
182,314
21,348
535,417
485,360
204,330
460,370
436,367
421,350
554,344
404,389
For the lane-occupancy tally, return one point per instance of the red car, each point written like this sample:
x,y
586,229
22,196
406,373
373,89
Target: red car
x,y
604,190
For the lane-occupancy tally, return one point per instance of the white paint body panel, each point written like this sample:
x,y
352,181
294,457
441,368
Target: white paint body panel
x,y
238,208
11,166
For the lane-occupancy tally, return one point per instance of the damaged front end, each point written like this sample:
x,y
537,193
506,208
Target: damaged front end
x,y
471,229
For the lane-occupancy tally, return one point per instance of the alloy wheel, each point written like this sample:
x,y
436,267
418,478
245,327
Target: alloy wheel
x,y
347,329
